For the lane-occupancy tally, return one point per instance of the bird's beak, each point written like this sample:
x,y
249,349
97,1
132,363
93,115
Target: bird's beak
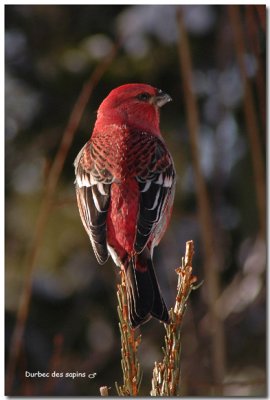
x,y
161,98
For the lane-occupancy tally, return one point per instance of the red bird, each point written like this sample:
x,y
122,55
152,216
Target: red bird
x,y
125,182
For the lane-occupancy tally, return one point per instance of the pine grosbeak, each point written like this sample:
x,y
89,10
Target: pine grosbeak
x,y
125,182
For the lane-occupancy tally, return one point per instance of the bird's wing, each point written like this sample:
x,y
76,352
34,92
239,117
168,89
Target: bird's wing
x,y
93,184
156,184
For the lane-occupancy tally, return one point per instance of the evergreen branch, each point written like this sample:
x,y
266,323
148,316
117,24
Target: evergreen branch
x,y
129,345
166,374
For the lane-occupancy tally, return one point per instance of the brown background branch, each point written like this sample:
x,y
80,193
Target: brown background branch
x,y
251,118
45,207
211,260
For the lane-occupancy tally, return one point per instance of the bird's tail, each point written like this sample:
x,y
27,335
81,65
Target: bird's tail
x,y
143,292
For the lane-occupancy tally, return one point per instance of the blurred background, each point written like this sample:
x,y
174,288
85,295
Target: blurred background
x,y
67,320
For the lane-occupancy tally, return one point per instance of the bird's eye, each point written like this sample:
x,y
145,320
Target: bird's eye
x,y
143,96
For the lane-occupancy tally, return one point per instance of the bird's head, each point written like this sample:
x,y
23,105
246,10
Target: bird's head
x,y
135,105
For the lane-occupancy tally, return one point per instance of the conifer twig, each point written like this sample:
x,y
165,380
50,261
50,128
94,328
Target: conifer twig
x,y
166,374
129,345
104,391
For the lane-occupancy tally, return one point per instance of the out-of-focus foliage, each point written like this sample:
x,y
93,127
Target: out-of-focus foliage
x,y
50,50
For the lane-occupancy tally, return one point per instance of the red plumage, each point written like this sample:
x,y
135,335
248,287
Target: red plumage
x,y
125,182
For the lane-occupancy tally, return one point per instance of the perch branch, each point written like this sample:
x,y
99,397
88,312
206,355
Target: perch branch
x,y
129,345
104,391
166,374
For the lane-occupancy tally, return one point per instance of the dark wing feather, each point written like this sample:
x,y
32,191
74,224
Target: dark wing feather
x,y
156,188
93,196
